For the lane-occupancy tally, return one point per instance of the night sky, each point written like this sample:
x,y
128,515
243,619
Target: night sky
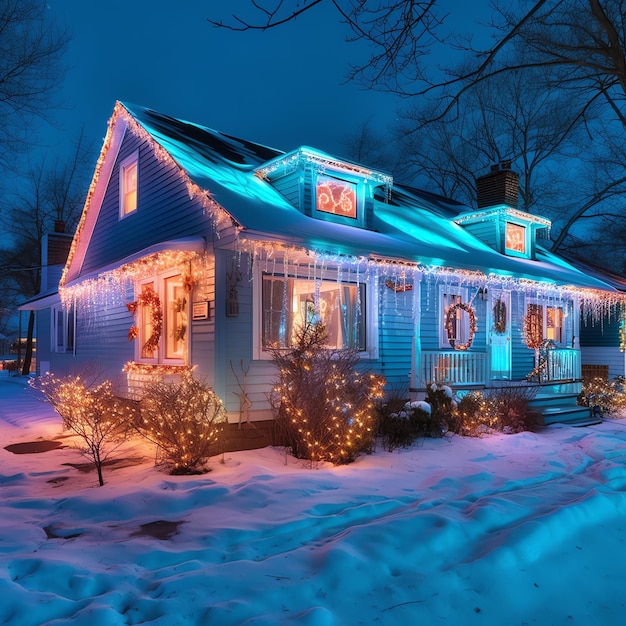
x,y
282,88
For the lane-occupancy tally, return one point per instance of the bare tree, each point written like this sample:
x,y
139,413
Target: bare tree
x,y
99,417
31,48
50,199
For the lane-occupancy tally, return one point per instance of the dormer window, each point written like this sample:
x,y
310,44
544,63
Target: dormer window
x,y
129,168
336,196
515,238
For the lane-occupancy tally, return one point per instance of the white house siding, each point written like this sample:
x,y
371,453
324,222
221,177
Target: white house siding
x,y
101,346
396,335
202,338
605,355
164,210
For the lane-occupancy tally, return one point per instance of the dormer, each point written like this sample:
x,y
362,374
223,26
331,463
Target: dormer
x,y
324,187
497,221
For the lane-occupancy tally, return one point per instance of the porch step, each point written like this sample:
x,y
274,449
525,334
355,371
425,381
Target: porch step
x,y
572,415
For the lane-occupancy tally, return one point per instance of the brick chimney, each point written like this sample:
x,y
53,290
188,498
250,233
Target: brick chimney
x,y
499,186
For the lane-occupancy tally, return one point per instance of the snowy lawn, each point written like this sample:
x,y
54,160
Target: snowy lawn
x,y
503,530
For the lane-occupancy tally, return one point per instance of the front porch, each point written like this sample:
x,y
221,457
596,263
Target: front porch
x,y
557,378
467,369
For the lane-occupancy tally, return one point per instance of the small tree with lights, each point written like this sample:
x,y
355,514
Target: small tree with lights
x,y
100,418
185,420
324,406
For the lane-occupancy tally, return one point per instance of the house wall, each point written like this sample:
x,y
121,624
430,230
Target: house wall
x,y
522,357
102,347
397,330
43,329
202,337
599,345
233,344
164,210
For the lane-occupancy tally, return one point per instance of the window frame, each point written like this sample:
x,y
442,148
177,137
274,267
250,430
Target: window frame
x,y
455,292
63,322
130,161
370,310
564,312
159,284
359,195
525,254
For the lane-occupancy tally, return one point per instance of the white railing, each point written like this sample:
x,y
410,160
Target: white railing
x,y
562,364
454,367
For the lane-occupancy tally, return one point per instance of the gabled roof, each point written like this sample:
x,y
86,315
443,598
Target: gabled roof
x,y
408,225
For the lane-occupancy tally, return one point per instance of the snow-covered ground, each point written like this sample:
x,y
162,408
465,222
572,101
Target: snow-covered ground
x,y
503,530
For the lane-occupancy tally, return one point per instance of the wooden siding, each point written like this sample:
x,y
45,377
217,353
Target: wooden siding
x,y
289,186
102,345
164,210
202,349
234,345
487,232
396,335
601,333
610,356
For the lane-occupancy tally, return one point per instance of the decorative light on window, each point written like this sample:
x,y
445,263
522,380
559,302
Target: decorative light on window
x,y
515,238
336,196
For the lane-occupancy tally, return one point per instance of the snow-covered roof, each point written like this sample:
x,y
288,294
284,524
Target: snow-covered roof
x,y
411,226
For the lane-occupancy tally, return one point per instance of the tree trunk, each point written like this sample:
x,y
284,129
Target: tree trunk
x,y
29,344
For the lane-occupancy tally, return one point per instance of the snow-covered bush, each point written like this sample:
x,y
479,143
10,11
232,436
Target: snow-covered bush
x,y
96,414
185,420
324,406
400,428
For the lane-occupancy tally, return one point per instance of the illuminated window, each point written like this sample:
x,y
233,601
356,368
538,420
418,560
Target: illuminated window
x,y
128,184
336,196
545,323
63,322
454,329
554,323
515,238
163,321
289,304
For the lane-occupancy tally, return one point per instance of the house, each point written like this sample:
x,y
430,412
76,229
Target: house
x,y
198,249
603,340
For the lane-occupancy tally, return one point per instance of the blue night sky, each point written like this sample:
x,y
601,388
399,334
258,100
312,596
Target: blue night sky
x,y
282,88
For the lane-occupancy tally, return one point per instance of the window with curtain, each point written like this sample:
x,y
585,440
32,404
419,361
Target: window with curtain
x,y
289,303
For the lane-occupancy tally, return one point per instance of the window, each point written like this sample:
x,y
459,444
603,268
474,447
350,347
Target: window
x,y
128,184
287,304
454,328
336,196
515,238
554,324
63,329
545,323
163,323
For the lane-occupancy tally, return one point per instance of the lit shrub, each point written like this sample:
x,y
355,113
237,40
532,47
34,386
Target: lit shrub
x,y
324,407
608,395
185,420
99,417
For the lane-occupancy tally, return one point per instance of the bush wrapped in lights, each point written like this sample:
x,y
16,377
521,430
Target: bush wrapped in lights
x,y
324,407
185,420
95,413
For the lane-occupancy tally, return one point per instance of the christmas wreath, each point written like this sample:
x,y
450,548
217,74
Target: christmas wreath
x,y
451,322
148,298
499,317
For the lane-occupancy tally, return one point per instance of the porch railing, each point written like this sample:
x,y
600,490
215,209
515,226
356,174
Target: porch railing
x,y
453,367
561,364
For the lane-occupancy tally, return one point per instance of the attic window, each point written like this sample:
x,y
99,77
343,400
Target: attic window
x,y
515,238
128,184
336,196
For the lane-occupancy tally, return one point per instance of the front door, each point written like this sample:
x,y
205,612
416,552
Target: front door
x,y
499,330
